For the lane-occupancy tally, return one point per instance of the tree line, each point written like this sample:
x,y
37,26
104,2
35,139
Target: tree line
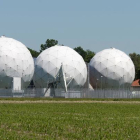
x,y
87,54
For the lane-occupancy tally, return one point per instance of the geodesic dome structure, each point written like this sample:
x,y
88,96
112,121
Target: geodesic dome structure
x,y
111,68
15,61
60,65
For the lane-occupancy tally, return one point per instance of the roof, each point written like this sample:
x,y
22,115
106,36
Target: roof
x,y
136,83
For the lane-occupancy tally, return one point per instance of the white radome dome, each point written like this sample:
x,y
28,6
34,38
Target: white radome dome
x,y
111,68
49,62
15,61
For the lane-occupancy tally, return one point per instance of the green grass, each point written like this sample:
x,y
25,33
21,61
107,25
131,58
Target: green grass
x,y
70,121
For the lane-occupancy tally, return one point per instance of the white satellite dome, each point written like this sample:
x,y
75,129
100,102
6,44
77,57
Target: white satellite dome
x,y
111,68
15,62
61,66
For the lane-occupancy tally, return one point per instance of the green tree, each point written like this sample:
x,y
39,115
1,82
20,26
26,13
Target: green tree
x,y
33,52
136,60
49,43
81,51
89,55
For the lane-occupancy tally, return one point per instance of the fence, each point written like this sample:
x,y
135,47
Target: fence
x,y
82,93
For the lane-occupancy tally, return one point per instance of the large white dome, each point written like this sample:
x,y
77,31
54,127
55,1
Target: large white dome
x,y
15,61
111,68
56,60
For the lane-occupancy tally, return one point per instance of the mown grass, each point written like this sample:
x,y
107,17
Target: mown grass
x,y
69,121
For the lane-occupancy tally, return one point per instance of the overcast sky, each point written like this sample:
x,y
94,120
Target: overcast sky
x,y
92,24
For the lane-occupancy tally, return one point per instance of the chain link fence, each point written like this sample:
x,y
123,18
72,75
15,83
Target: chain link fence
x,y
72,93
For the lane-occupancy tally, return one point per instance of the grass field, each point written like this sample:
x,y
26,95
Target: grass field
x,y
69,120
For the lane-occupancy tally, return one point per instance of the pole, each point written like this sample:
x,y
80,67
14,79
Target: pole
x,y
96,87
101,85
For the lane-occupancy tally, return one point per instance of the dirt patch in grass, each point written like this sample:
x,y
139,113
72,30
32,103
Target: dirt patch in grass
x,y
47,101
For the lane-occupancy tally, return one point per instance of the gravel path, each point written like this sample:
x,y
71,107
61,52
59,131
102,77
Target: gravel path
x,y
46,101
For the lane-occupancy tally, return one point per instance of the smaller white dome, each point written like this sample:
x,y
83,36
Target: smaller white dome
x,y
111,68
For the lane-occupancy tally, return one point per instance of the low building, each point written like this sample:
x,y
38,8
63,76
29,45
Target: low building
x,y
135,86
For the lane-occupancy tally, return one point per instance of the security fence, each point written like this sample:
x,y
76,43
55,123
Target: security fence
x,y
71,93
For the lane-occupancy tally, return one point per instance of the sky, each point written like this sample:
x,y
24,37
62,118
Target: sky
x,y
91,24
